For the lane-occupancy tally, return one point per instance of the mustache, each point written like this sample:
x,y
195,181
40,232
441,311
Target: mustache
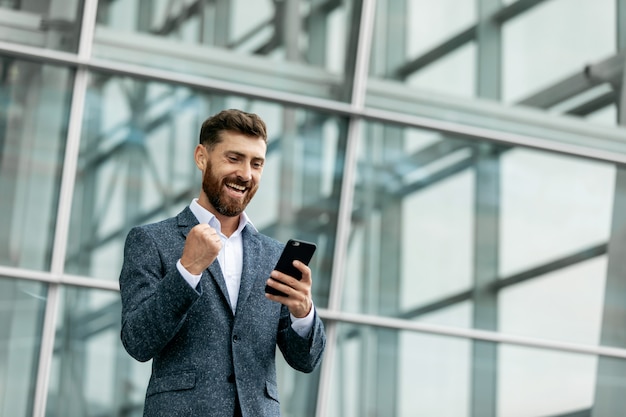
x,y
238,181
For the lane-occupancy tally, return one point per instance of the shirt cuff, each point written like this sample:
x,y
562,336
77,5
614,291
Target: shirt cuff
x,y
191,279
303,325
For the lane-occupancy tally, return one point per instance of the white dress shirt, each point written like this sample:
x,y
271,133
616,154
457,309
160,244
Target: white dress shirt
x,y
230,259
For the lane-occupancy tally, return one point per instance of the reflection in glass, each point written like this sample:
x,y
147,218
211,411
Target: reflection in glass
x,y
53,24
556,299
92,375
136,166
552,206
34,106
440,221
411,240
400,373
239,41
535,382
22,305
528,60
407,34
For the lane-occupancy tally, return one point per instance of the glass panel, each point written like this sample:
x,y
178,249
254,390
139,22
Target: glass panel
x,y
22,306
34,109
385,372
92,375
453,74
407,30
136,166
552,206
549,306
297,391
53,24
529,61
532,382
412,231
238,41
440,221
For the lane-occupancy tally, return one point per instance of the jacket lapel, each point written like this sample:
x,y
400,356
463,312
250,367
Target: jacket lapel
x,y
249,272
186,221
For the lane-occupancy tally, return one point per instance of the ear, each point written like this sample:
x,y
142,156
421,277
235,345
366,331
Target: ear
x,y
200,156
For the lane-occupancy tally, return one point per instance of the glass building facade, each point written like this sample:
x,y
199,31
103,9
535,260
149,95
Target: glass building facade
x,y
461,165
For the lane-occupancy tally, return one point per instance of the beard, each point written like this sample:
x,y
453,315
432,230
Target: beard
x,y
225,205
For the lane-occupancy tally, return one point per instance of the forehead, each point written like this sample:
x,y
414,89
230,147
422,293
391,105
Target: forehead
x,y
252,146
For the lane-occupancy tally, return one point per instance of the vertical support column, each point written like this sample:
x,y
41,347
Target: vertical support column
x,y
621,24
389,280
358,76
611,379
609,397
68,179
390,54
485,313
483,397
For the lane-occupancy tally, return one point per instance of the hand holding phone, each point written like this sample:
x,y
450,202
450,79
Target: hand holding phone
x,y
294,250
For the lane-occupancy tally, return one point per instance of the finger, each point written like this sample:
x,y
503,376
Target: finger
x,y
277,285
284,278
304,269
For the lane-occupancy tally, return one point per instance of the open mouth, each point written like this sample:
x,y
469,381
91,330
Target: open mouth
x,y
237,188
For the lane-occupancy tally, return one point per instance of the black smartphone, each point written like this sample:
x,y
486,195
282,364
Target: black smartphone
x,y
294,250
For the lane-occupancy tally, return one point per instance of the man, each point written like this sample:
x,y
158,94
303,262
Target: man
x,y
193,297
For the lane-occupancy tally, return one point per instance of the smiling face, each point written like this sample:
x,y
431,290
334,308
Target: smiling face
x,y
231,172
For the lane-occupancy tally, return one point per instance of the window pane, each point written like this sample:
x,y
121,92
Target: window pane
x,y
407,31
136,166
53,24
549,306
440,221
34,106
296,46
584,36
387,372
412,233
552,206
92,375
22,306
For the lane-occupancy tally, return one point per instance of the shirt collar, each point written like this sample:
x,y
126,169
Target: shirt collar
x,y
205,216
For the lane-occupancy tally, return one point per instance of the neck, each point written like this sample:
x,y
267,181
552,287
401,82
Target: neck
x,y
229,224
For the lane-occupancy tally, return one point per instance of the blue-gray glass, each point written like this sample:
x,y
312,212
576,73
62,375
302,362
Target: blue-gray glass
x,y
91,374
439,221
22,303
48,24
411,242
136,166
34,109
292,46
388,372
529,63
405,47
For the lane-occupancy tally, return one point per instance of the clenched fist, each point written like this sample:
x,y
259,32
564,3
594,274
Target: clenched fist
x,y
202,246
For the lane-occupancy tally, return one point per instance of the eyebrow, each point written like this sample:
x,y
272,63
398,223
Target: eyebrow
x,y
243,155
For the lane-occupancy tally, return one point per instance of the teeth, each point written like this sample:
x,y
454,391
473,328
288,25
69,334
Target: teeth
x,y
237,187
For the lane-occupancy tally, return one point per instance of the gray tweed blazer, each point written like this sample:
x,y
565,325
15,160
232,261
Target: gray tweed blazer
x,y
203,356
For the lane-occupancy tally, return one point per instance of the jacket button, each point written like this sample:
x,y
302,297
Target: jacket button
x,y
231,378
235,338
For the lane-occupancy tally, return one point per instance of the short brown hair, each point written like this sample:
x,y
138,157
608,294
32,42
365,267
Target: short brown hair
x,y
248,124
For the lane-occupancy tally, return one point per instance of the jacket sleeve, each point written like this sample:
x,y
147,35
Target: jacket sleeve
x,y
154,302
302,354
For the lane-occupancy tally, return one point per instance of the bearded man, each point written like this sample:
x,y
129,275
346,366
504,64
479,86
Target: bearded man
x,y
193,291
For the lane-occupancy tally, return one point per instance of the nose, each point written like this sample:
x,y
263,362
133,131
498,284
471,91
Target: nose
x,y
245,172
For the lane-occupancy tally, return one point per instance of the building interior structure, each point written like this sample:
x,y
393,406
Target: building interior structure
x,y
460,165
